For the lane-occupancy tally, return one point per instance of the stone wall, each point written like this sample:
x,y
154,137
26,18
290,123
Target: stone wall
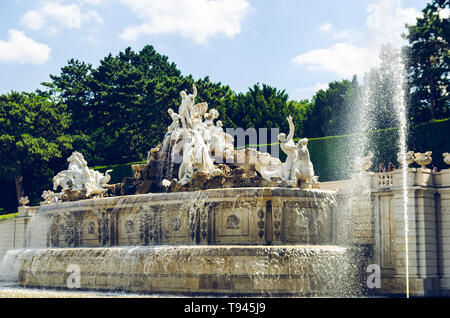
x,y
13,231
12,234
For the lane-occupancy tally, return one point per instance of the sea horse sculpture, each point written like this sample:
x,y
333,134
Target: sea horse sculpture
x,y
79,181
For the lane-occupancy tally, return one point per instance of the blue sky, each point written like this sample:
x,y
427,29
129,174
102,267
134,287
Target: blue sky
x,y
296,45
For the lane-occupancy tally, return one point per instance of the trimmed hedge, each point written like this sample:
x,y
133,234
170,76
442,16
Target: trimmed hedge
x,y
119,172
433,136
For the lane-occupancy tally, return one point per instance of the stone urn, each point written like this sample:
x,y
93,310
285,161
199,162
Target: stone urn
x,y
409,157
423,159
23,201
446,158
364,164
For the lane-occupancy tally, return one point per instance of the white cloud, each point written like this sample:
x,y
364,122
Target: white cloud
x,y
312,89
69,16
343,59
339,34
93,40
192,19
33,20
308,92
444,13
326,27
385,22
94,2
21,49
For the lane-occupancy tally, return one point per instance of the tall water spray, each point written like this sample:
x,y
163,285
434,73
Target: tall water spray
x,y
400,111
383,93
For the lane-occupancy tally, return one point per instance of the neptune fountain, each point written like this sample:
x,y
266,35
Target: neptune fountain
x,y
199,217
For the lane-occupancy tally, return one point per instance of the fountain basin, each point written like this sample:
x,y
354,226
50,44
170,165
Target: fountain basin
x,y
244,216
190,270
245,241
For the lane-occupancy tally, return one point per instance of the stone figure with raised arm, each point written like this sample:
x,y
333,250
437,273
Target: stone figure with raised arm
x,y
186,108
290,149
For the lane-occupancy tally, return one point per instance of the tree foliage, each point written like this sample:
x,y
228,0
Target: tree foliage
x,y
34,137
429,63
330,110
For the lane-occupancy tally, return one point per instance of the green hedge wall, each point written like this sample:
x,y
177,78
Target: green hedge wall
x,y
119,172
433,136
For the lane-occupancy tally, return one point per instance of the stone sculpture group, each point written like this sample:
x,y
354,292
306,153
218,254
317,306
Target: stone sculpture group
x,y
201,144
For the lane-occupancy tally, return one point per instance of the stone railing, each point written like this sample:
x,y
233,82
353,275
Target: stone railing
x,y
385,179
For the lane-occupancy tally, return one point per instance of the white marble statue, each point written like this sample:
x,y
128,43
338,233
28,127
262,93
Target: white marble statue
x,y
175,118
298,165
186,107
210,117
204,143
79,178
187,166
198,111
202,160
193,131
268,166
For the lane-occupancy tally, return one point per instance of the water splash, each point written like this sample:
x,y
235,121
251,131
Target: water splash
x,y
400,111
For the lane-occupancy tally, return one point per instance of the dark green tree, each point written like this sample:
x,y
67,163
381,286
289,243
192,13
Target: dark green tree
x,y
34,139
429,63
262,106
114,106
331,109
